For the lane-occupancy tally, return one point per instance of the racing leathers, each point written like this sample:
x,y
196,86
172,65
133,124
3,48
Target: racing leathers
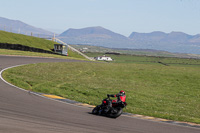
x,y
121,97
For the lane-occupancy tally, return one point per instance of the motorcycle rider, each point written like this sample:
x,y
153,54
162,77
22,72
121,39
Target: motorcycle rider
x,y
121,97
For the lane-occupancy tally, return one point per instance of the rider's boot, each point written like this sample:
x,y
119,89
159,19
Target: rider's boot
x,y
108,107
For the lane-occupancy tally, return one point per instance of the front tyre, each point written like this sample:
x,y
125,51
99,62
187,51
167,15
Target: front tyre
x,y
95,110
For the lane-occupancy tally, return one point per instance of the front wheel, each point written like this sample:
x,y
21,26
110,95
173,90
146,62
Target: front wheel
x,y
95,110
116,113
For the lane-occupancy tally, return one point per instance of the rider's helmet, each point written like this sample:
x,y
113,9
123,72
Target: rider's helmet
x,y
122,92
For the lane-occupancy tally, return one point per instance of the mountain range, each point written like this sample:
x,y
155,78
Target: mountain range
x,y
172,42
17,26
176,42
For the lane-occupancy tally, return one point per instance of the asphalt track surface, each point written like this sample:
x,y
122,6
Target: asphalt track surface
x,y
22,112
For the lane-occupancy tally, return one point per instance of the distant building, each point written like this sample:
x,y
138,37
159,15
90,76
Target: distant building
x,y
85,48
104,58
60,48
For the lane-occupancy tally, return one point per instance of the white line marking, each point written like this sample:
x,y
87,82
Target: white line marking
x,y
29,91
8,82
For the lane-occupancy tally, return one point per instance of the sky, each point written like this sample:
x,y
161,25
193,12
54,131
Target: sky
x,y
120,16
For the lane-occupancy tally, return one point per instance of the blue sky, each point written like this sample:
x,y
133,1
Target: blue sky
x,y
120,16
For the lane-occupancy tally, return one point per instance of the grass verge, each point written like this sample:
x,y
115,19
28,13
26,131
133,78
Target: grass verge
x,y
170,92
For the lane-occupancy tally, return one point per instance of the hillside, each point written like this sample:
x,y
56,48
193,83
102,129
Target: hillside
x,y
17,26
12,38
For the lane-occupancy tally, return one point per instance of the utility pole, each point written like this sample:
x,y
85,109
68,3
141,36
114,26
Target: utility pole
x,y
54,38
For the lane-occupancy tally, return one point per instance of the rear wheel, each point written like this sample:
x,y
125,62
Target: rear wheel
x,y
116,113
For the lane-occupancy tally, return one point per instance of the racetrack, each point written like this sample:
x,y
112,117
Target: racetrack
x,y
22,112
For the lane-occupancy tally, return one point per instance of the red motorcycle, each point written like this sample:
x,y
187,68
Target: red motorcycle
x,y
113,112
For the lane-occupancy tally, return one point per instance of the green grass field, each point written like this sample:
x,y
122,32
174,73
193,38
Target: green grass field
x,y
170,92
149,59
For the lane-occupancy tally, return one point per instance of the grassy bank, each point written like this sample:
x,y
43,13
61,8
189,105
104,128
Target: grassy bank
x,y
170,92
12,38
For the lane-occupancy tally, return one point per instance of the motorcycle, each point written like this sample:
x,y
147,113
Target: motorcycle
x,y
113,112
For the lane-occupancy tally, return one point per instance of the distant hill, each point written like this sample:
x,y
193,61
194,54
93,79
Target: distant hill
x,y
154,36
173,37
17,26
177,42
97,36
173,42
